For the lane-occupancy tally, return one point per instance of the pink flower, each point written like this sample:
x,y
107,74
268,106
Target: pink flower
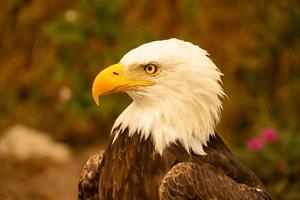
x,y
255,144
65,93
269,134
71,15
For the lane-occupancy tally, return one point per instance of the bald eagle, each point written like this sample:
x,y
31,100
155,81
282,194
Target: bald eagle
x,y
164,145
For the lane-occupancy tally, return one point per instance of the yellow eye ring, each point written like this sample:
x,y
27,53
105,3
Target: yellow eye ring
x,y
150,68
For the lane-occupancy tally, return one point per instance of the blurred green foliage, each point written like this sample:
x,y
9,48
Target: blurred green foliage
x,y
50,52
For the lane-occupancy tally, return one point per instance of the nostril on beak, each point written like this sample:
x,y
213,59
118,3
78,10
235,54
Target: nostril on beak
x,y
115,73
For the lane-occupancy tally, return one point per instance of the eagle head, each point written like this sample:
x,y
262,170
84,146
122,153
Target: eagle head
x,y
176,91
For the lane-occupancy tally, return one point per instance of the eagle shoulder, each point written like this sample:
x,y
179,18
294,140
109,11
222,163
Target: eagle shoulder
x,y
89,178
189,180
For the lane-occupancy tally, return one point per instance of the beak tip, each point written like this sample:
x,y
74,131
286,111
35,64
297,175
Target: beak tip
x,y
96,100
95,94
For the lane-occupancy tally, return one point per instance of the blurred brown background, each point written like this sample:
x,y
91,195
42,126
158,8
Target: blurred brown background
x,y
50,51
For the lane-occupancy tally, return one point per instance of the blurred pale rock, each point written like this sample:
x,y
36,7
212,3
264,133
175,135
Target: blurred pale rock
x,y
23,143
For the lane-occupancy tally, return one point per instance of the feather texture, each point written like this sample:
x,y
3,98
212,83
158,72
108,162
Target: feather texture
x,y
132,169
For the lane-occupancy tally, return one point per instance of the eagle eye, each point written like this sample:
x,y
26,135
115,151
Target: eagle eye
x,y
150,68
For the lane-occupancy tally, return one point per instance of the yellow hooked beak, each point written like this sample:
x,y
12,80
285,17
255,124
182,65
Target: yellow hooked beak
x,y
114,79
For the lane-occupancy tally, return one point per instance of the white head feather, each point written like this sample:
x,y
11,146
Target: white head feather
x,y
185,103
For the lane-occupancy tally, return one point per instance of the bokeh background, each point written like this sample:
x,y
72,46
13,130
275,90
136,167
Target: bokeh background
x,y
50,52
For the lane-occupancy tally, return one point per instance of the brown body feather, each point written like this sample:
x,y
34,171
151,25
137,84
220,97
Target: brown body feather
x,y
131,169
